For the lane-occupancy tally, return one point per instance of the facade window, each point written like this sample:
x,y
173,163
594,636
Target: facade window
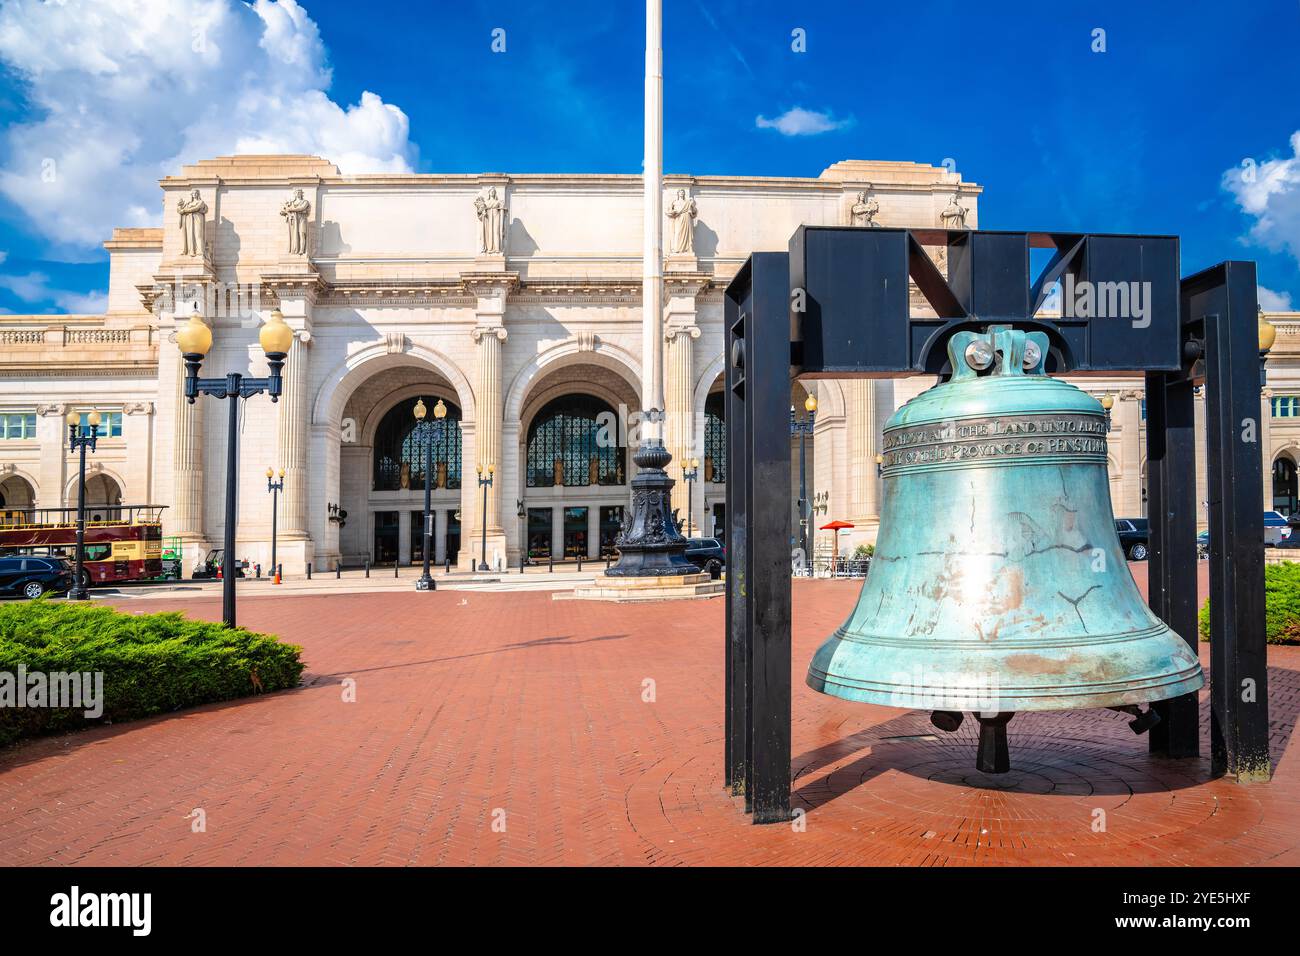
x,y
1286,406
110,424
715,439
399,456
573,442
18,425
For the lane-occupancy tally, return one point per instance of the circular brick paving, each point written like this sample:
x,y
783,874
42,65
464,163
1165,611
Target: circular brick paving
x,y
1082,791
595,733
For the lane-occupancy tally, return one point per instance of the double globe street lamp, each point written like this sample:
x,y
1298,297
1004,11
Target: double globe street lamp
x,y
274,488
690,472
426,582
485,484
81,437
803,428
195,340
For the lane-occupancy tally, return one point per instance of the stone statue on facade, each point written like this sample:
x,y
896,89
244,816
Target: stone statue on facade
x,y
682,212
193,232
295,212
863,212
491,214
953,215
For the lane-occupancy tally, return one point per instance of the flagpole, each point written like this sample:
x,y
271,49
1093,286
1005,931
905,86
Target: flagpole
x,y
652,389
650,543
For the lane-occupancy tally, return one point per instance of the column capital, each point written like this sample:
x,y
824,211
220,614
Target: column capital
x,y
499,331
672,331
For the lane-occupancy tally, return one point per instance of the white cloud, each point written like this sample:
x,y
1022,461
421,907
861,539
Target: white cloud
x,y
3,256
1270,191
1271,301
125,93
801,122
34,287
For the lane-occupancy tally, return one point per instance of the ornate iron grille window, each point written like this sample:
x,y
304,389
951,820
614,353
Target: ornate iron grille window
x,y
715,439
399,447
573,441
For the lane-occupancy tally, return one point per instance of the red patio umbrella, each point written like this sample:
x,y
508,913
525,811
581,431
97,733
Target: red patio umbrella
x,y
836,525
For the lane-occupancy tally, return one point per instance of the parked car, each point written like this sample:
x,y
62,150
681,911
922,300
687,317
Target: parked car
x,y
1276,529
1134,537
31,577
207,568
1288,539
707,554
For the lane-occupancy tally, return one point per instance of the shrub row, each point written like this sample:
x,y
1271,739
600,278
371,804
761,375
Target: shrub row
x,y
1281,605
152,663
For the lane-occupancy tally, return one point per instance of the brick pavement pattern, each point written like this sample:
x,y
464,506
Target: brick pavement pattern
x,y
496,729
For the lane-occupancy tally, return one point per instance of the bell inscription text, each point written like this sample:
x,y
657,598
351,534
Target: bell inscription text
x,y
1078,437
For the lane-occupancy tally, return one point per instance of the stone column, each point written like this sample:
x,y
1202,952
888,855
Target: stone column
x,y
296,547
1202,474
488,414
680,334
1266,443
1130,424
679,432
56,467
186,518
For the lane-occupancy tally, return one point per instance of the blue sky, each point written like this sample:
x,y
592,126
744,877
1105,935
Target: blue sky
x,y
1135,139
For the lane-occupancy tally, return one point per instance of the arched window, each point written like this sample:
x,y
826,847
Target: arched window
x,y
1284,485
400,451
715,438
573,441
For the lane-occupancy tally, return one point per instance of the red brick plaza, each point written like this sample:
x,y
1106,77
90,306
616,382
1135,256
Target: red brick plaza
x,y
474,709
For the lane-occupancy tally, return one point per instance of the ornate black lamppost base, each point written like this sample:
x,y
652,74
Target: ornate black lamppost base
x,y
650,544
426,584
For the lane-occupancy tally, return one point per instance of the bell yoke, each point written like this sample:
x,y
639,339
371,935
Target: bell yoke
x,y
1021,598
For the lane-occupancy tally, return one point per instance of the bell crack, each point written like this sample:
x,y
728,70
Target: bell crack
x,y
1086,546
1075,602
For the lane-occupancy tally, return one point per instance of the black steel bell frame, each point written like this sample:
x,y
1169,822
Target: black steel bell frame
x,y
837,305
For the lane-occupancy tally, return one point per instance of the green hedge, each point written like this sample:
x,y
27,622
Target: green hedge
x,y
152,663
1281,605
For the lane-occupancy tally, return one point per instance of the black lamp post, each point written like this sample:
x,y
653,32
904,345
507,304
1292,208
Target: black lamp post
x,y
194,340
522,514
426,582
485,484
81,437
690,471
274,487
803,428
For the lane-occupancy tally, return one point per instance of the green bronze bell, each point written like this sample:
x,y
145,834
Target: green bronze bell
x,y
998,583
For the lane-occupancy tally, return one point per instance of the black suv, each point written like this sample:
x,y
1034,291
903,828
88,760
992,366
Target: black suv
x,y
1134,537
31,577
707,554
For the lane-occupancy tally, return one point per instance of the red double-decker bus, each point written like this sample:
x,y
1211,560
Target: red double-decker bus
x,y
123,542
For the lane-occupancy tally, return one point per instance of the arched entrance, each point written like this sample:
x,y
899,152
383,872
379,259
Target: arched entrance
x,y
575,478
103,497
1284,484
400,466
16,494
381,467
713,464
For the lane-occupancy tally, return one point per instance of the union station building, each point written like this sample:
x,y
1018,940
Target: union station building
x,y
510,305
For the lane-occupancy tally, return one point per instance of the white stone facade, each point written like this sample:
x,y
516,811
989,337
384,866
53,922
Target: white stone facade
x,y
394,300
